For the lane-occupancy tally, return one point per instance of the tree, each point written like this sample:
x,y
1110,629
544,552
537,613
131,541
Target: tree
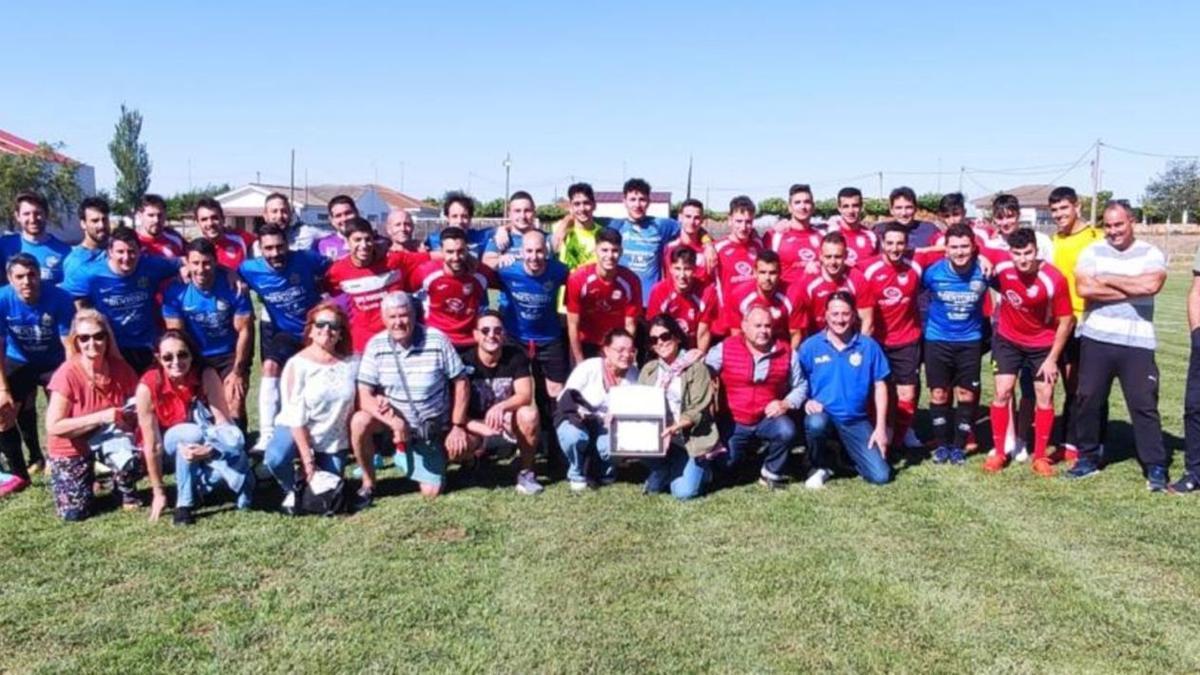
x,y
45,172
1085,204
492,209
773,206
131,159
183,203
550,213
930,201
1175,190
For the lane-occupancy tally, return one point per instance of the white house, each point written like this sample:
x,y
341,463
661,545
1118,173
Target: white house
x,y
244,204
1035,204
85,177
612,205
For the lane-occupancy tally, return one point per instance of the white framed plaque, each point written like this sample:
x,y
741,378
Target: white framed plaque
x,y
638,415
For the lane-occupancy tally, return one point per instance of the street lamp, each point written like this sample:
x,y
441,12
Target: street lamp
x,y
507,173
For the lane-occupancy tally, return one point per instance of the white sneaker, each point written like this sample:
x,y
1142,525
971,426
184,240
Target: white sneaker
x,y
816,479
579,486
261,445
1022,454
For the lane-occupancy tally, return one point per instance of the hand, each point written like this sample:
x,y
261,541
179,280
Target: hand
x,y
1048,373
670,431
382,407
158,502
235,389
813,406
506,260
710,256
878,440
986,267
502,238
123,419
194,452
495,417
777,408
399,430
456,443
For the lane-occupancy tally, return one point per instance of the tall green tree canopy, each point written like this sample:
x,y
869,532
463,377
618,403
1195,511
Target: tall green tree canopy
x,y
131,159
45,172
1175,189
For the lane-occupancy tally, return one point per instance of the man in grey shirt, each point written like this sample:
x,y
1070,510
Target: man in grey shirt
x,y
1118,279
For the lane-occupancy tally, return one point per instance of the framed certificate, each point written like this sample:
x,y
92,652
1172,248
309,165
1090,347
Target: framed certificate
x,y
638,416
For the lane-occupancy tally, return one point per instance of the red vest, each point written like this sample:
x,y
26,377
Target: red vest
x,y
741,395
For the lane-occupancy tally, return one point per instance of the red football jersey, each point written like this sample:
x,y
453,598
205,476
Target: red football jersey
x,y
893,291
361,289
710,313
703,276
818,288
1030,306
452,302
735,263
796,249
231,250
602,305
168,244
683,307
786,308
861,245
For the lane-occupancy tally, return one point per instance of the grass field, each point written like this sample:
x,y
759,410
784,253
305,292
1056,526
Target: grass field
x,y
946,570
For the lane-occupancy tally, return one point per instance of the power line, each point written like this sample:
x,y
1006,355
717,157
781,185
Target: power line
x,y
1147,154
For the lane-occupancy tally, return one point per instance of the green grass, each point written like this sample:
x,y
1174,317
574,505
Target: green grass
x,y
946,570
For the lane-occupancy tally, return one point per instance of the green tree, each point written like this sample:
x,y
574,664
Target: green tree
x,y
877,207
130,158
45,172
550,213
1085,204
773,206
930,201
492,209
1175,189
825,208
183,203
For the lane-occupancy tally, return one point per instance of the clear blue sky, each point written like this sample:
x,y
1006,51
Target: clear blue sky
x,y
762,93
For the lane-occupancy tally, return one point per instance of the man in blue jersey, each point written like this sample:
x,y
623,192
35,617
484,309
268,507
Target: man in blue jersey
x,y
287,282
93,222
32,238
459,210
123,289
218,319
953,341
644,237
528,299
506,247
34,320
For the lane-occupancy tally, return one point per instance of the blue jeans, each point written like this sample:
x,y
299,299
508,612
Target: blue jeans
x,y
228,466
280,458
577,444
820,428
684,475
777,435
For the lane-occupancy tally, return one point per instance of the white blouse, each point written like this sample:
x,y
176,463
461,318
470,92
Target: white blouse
x,y
320,398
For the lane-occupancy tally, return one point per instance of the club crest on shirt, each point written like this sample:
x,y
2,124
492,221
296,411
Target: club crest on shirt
x,y
467,288
222,305
856,359
902,278
47,320
52,261
1013,297
978,286
743,268
616,294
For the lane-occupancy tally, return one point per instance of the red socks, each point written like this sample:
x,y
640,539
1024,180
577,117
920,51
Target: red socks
x,y
999,415
905,411
1043,425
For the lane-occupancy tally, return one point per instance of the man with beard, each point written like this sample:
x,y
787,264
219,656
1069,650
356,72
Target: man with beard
x,y
32,238
153,234
210,222
93,222
455,289
335,246
601,296
798,243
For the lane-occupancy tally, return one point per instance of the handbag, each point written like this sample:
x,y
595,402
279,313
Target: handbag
x,y
323,495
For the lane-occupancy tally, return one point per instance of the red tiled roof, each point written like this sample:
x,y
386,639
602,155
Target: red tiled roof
x,y
15,145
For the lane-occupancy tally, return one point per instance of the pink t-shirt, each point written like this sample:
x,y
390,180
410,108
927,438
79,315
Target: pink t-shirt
x,y
84,397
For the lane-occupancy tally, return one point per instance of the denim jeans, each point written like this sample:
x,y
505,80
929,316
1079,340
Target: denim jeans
x,y
777,435
577,445
280,458
228,466
685,476
821,428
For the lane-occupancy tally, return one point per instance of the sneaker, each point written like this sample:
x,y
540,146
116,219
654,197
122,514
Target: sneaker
x,y
1187,483
995,462
942,454
288,507
1022,454
817,479
13,485
1156,478
1065,453
579,486
527,484
1042,466
1084,468
183,516
261,446
958,456
363,500
771,481
36,468
357,473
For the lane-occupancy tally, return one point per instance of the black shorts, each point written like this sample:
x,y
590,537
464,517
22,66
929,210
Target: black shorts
x,y
590,350
139,358
953,364
25,380
905,363
277,345
549,359
222,363
1011,358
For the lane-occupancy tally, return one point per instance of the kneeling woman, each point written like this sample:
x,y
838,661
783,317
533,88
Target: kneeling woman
x,y
581,418
89,418
685,381
185,424
317,391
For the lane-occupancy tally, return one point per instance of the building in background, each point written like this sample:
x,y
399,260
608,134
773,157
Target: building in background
x,y
612,205
243,205
1035,205
65,226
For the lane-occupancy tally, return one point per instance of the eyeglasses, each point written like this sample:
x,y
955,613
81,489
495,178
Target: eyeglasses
x,y
172,357
662,338
328,325
492,330
85,338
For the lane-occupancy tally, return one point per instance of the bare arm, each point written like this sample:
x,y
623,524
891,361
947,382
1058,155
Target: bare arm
x,y
1137,285
866,320
214,391
1066,326
242,353
59,424
152,447
1090,288
703,337
573,338
1193,303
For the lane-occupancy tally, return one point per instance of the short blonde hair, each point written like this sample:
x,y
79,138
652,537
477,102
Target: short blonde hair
x,y
91,316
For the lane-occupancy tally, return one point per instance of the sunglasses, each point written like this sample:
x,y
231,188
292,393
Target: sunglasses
x,y
662,338
85,338
492,330
172,357
328,325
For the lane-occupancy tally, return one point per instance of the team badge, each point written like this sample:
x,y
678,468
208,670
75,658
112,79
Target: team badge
x,y
856,359
52,261
222,305
467,288
902,278
616,294
1031,291
47,320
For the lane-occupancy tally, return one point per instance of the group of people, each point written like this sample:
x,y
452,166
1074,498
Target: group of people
x,y
375,343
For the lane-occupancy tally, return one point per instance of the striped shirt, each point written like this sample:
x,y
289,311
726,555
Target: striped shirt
x,y
1128,322
429,364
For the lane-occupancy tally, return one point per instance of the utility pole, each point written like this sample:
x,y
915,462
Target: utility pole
x,y
257,176
881,185
507,175
689,182
292,184
962,172
1096,180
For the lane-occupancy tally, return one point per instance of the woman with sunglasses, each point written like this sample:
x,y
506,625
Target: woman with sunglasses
x,y
91,393
185,423
690,431
317,391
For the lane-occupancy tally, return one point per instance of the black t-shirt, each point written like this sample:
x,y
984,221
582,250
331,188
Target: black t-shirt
x,y
491,385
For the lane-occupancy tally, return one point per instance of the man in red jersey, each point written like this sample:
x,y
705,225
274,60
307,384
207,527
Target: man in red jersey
x,y
152,231
735,265
834,275
361,279
601,296
893,283
768,292
210,219
691,236
1032,328
679,294
861,243
798,244
454,290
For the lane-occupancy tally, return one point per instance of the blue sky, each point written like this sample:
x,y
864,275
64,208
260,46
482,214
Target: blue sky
x,y
762,94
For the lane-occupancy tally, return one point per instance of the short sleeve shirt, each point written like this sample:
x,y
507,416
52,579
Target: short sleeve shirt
x,y
491,385
1128,322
